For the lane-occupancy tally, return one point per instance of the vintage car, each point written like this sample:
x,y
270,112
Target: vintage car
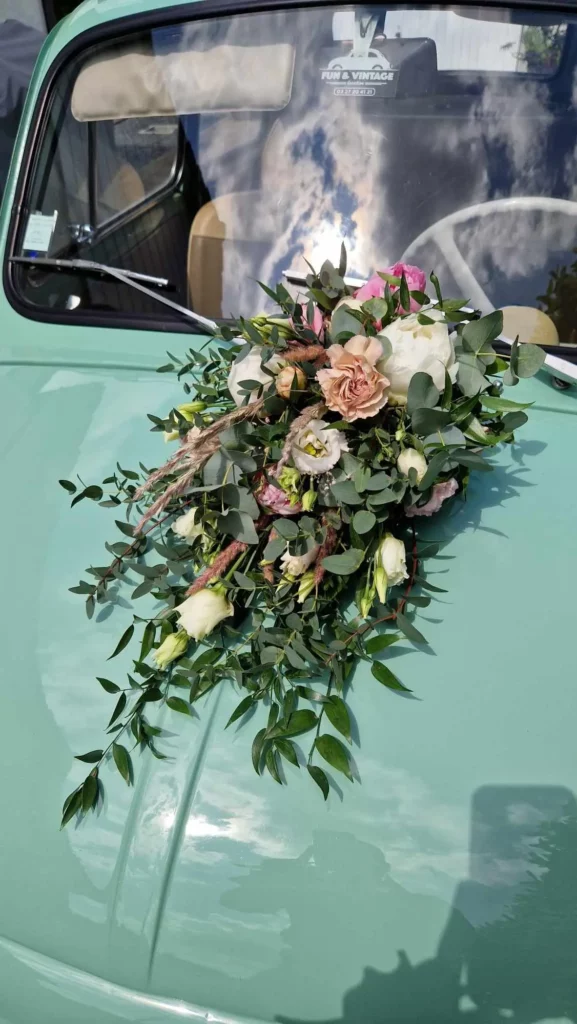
x,y
170,155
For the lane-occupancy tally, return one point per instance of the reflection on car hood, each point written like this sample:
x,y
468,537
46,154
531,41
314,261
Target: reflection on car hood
x,y
207,887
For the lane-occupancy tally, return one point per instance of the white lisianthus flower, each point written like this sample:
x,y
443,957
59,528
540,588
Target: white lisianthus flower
x,y
390,565
295,565
425,348
201,612
317,447
172,647
186,527
249,368
410,458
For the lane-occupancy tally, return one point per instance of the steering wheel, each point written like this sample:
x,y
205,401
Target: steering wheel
x,y
442,234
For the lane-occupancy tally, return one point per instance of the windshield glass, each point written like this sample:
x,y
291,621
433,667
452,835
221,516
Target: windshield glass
x,y
220,152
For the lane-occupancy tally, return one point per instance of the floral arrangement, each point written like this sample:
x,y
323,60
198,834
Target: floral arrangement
x,y
279,543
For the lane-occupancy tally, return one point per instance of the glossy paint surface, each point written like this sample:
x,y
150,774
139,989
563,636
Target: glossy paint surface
x,y
207,892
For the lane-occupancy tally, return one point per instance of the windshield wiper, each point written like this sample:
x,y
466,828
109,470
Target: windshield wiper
x,y
130,277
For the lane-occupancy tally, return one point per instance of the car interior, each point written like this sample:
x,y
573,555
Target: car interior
x,y
213,154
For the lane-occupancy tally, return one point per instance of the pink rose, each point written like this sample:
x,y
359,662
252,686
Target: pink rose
x,y
274,499
440,493
353,386
317,322
375,286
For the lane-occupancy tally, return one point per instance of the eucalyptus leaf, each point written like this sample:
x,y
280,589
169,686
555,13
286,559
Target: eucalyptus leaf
x,y
425,421
344,564
364,521
238,525
422,393
530,360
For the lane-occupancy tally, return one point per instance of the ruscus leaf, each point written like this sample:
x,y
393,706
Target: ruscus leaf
x,y
178,704
123,642
122,761
89,792
334,753
91,757
338,715
108,686
320,778
387,678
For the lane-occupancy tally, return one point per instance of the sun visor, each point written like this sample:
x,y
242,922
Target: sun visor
x,y
511,16
136,82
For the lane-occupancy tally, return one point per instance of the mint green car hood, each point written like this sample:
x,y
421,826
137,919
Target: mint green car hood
x,y
208,889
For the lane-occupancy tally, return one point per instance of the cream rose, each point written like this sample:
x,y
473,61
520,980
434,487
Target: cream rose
x,y
410,458
317,447
249,367
201,612
288,377
295,565
416,347
353,386
187,527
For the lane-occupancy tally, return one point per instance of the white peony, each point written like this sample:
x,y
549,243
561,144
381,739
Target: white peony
x,y
201,612
416,347
186,527
295,565
410,458
249,368
317,447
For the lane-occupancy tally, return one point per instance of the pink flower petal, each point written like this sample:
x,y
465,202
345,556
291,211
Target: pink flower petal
x,y
441,491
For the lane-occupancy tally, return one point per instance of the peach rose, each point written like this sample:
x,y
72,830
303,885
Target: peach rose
x,y
353,386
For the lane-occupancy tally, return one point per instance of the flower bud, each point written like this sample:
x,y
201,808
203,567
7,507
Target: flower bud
x,y
307,584
171,648
187,527
410,458
265,324
190,408
392,559
308,499
381,583
366,601
289,377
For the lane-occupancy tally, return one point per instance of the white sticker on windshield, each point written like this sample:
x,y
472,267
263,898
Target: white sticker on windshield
x,y
363,70
39,231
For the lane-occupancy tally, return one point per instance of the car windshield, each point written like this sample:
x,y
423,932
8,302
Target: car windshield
x,y
220,152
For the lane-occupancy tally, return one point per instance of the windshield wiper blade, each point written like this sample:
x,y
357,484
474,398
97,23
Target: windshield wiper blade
x,y
130,277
